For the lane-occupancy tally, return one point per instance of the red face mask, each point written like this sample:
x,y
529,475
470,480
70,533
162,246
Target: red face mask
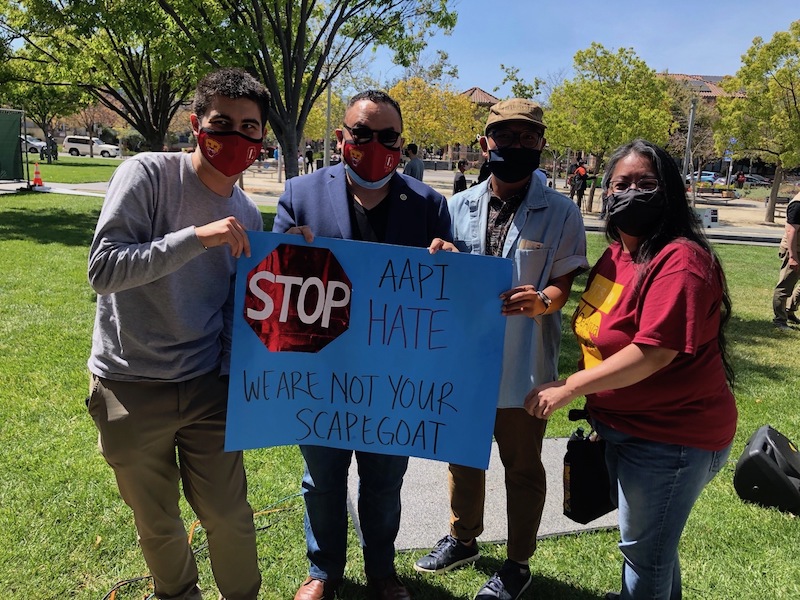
x,y
229,152
373,163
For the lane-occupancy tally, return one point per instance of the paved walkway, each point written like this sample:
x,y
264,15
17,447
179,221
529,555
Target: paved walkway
x,y
739,220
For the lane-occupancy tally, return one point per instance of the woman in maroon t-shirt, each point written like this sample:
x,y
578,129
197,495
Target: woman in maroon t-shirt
x,y
654,366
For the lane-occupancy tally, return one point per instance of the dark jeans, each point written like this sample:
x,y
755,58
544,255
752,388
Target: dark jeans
x,y
325,495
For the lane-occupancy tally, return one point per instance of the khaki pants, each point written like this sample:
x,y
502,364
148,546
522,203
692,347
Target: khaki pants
x,y
519,439
155,435
786,289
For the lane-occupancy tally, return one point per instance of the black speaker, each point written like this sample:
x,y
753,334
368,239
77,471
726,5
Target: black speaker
x,y
768,471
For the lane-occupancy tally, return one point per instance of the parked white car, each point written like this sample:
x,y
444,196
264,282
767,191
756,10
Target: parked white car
x,y
31,144
78,145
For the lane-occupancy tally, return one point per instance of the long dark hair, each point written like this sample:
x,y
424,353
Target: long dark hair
x,y
679,220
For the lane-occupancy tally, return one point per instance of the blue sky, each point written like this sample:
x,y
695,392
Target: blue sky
x,y
541,38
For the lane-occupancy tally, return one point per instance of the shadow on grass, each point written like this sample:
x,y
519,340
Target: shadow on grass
x,y
434,587
749,333
48,226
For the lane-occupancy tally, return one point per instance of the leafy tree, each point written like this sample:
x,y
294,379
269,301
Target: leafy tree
x,y
42,104
316,122
764,122
434,115
614,98
124,53
297,47
519,87
438,71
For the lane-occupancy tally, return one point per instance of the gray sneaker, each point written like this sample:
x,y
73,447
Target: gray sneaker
x,y
447,554
507,584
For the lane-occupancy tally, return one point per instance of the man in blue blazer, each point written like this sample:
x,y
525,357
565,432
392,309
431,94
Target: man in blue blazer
x,y
361,198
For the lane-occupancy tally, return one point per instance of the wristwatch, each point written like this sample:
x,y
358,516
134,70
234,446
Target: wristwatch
x,y
545,299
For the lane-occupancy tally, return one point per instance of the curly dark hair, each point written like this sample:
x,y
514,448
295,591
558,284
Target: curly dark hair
x,y
678,220
230,82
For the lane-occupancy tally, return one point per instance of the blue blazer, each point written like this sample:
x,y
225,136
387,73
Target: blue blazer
x,y
417,212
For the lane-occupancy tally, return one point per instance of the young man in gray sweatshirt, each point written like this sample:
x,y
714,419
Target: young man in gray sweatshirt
x,y
162,262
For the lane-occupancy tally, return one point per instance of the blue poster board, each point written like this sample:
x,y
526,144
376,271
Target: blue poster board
x,y
366,346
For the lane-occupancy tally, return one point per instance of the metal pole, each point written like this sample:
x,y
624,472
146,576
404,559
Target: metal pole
x,y
326,158
687,156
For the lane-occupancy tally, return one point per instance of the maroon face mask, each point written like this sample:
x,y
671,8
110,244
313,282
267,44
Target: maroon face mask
x,y
229,152
372,163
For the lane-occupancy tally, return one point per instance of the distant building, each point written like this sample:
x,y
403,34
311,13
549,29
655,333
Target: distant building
x,y
706,87
480,97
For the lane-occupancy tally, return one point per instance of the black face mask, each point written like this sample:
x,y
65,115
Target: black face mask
x,y
634,212
513,164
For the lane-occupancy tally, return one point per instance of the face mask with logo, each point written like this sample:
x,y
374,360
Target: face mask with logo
x,y
513,164
229,152
635,212
370,165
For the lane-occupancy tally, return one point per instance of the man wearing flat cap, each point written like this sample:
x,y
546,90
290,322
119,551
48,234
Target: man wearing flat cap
x,y
513,215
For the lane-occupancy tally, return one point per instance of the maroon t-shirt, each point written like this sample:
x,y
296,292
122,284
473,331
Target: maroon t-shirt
x,y
677,306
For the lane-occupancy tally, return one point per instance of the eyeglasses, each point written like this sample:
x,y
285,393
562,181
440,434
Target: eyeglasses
x,y
506,137
645,184
363,135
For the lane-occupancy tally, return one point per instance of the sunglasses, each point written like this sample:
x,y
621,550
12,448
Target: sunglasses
x,y
363,135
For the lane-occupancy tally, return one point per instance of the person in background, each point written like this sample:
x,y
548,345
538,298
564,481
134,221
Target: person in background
x,y
787,288
414,167
516,216
740,179
579,178
483,173
309,162
361,198
460,180
162,262
654,367
570,172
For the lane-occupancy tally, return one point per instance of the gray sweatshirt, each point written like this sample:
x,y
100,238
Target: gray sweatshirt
x,y
165,303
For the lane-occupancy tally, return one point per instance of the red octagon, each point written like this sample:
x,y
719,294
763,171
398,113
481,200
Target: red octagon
x,y
298,299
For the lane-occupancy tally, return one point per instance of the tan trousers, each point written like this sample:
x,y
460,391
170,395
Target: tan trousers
x,y
787,289
155,435
519,439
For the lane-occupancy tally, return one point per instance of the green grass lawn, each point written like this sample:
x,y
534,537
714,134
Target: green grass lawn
x,y
64,532
74,169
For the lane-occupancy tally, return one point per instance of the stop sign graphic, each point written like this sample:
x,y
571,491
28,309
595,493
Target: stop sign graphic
x,y
298,299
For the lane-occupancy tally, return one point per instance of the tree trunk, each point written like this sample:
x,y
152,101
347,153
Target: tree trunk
x,y
769,217
597,164
155,141
288,141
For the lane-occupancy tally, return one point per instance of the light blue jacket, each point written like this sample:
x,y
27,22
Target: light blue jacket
x,y
545,240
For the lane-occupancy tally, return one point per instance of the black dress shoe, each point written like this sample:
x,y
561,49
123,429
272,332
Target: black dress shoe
x,y
388,588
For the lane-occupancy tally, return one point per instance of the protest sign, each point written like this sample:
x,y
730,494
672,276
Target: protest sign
x,y
366,346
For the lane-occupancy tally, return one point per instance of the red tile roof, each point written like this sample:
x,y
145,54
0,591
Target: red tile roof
x,y
480,97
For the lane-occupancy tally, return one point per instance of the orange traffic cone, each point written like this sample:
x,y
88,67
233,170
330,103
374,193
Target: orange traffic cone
x,y
37,176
